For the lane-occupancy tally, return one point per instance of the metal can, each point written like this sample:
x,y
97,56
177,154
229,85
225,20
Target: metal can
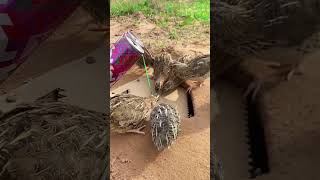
x,y
123,55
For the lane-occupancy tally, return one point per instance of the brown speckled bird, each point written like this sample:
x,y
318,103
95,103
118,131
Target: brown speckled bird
x,y
165,125
129,112
161,67
246,28
195,69
52,140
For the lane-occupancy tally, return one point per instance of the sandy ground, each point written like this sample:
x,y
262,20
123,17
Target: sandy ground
x,y
292,124
134,156
84,84
291,121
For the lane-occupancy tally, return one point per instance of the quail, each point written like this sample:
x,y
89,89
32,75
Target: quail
x,y
244,29
161,66
129,112
194,69
165,125
52,140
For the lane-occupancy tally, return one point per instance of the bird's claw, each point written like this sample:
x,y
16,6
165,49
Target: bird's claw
x,y
191,87
297,70
253,90
189,90
138,130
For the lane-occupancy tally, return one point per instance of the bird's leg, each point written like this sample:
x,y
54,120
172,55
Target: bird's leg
x,y
296,70
254,88
188,87
137,130
264,73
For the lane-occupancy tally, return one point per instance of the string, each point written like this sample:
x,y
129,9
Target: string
x,y
145,68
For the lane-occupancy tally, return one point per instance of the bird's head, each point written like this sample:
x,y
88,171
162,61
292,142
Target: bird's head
x,y
202,63
166,88
157,86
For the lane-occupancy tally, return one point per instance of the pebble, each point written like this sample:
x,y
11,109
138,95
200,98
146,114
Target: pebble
x,y
90,60
125,160
11,99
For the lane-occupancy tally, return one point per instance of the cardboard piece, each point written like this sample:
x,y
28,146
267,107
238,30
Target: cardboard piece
x,y
140,87
85,84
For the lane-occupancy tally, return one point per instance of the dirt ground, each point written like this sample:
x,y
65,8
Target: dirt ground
x,y
134,156
291,114
194,40
292,125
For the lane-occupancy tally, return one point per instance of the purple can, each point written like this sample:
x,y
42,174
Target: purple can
x,y
123,55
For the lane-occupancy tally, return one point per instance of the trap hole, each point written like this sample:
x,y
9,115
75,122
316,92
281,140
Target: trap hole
x,y
190,105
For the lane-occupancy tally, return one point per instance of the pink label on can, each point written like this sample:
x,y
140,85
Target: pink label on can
x,y
122,57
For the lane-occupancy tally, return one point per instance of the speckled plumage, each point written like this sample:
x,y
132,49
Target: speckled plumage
x,y
129,112
247,28
165,125
194,69
237,32
161,66
52,140
197,70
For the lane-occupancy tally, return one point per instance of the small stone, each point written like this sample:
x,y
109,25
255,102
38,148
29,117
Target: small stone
x,y
27,81
11,99
125,160
90,60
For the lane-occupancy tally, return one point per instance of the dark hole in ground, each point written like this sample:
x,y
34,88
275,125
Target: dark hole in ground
x,y
190,105
258,157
